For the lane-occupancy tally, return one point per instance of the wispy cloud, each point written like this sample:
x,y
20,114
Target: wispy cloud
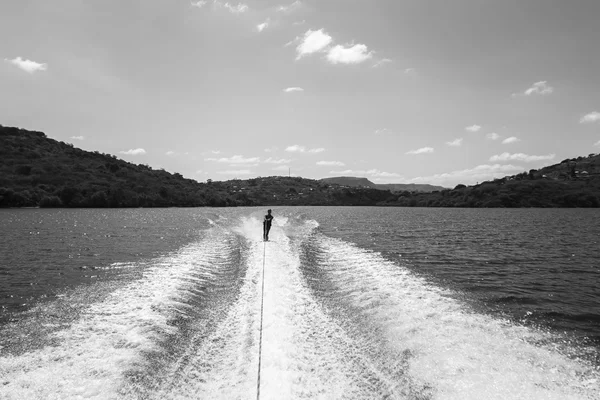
x,y
473,128
133,152
493,136
382,131
271,149
237,159
520,157
597,143
361,172
469,176
236,172
455,142
512,139
28,65
237,9
170,153
290,8
541,88
313,42
293,89
199,4
271,160
349,55
594,116
422,150
330,163
302,149
199,172
409,70
77,137
281,168
382,62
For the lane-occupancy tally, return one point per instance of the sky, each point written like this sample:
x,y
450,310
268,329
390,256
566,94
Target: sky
x,y
397,91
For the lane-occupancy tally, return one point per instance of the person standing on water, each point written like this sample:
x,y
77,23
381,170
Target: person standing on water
x,y
267,225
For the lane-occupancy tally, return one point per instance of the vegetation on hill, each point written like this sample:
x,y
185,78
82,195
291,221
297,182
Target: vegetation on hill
x,y
572,183
38,171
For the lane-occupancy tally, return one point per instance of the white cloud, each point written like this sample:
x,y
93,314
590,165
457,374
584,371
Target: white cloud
x,y
541,87
313,42
240,8
215,151
281,168
302,149
271,160
469,176
512,139
299,22
382,62
455,142
27,65
493,136
199,172
77,137
199,4
236,172
331,163
293,89
409,70
349,55
237,159
597,143
295,149
263,26
271,149
422,150
134,152
520,157
473,128
291,8
382,131
170,153
594,116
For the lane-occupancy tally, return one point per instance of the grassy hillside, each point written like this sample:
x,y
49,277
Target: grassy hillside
x,y
38,171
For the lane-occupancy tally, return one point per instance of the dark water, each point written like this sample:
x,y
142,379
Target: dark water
x,y
358,303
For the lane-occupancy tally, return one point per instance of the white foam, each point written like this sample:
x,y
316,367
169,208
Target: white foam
x,y
111,336
460,354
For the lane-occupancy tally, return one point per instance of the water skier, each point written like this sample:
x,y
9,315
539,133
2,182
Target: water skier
x,y
267,225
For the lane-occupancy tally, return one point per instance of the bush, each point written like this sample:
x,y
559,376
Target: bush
x,y
50,201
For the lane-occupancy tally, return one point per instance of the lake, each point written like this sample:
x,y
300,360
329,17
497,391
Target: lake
x,y
342,302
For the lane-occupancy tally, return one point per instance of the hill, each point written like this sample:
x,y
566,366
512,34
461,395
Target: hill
x,y
393,187
573,182
39,171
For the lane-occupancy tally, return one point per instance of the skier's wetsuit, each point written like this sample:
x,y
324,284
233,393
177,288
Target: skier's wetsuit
x,y
267,225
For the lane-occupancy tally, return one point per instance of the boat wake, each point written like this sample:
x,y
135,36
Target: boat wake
x,y
339,322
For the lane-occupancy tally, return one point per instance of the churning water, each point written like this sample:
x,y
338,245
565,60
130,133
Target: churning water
x,y
342,303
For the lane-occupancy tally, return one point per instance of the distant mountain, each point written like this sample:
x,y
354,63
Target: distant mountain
x,y
393,187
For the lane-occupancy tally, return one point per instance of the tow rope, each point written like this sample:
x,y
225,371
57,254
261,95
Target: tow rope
x,y
262,298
